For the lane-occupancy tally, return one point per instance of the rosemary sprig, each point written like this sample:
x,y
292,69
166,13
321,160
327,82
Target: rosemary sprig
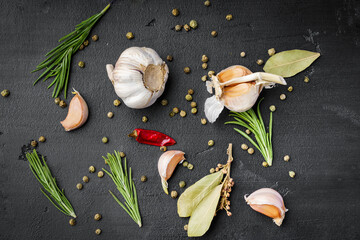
x,y
43,174
125,185
256,125
58,61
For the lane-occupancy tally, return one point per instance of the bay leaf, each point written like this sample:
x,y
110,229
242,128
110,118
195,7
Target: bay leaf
x,y
203,214
291,62
193,195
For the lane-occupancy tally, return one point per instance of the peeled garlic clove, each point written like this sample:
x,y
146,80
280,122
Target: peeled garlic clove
x,y
268,202
139,76
167,164
77,114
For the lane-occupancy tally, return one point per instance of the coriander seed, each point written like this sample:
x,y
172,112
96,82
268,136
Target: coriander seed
x,y
190,166
110,114
175,110
271,52
122,154
178,28
174,194
244,146
265,164
250,151
86,43
163,148
204,66
85,179
282,97
193,104
211,73
187,27
211,143
306,79
204,78
91,169
97,217
79,186
187,70
42,139
72,222
182,113
286,158
247,131
203,121
144,119
33,143
81,64
272,108
98,231
62,104
182,184
204,59
193,24
57,101
95,38
214,33
169,58
290,89
164,102
104,139
129,35
207,3
143,178
212,170
188,97
185,163
117,102
100,174
259,62
175,12
171,114
292,174
191,91
229,17
194,110
242,54
186,226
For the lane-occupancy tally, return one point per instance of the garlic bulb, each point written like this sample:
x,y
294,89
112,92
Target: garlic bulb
x,y
167,164
77,114
268,202
139,76
236,88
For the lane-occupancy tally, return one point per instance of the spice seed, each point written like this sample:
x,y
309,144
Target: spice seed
x,y
193,24
214,33
306,79
290,89
188,97
247,131
229,17
187,27
182,184
122,154
171,114
186,226
86,43
211,73
169,58
57,101
187,70
79,186
174,194
193,104
98,231
97,217
265,164
81,47
91,169
185,163
282,97
203,121
212,170
129,35
211,143
175,110
95,38
163,148
242,54
104,139
117,102
33,143
190,166
175,12
207,3
292,174
182,113
251,151
259,62
144,119
204,59
164,102
143,178
244,146
178,28
62,104
271,52
204,66
204,78
100,174
191,91
42,139
194,110
272,108
85,179
286,158
81,64
72,222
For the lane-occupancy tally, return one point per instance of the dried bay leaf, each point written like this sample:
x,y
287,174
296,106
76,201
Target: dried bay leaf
x,y
203,214
290,63
193,195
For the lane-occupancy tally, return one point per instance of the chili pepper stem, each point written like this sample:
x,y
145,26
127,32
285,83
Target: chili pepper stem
x,y
134,134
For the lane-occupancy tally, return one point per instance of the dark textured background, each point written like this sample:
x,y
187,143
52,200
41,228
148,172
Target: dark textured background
x,y
318,124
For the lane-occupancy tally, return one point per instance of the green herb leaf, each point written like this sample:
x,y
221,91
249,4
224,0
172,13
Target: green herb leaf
x,y
203,215
193,195
290,63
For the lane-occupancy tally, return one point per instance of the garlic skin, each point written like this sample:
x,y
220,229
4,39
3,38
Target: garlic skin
x,y
167,164
77,114
237,89
139,76
268,202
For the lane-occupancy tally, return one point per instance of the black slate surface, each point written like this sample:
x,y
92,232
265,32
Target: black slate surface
x,y
318,124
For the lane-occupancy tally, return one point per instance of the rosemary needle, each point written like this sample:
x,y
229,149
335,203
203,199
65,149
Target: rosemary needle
x,y
58,61
43,174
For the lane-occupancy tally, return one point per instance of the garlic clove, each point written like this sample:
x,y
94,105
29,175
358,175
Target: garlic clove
x,y
268,202
77,114
167,164
213,108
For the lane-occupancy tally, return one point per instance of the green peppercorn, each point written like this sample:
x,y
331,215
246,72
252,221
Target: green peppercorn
x,y
193,104
204,66
5,93
85,179
86,43
122,154
174,194
242,54
143,178
171,114
175,110
57,101
104,139
110,114
203,121
190,166
251,151
211,143
204,78
194,110
95,38
187,27
204,59
81,47
175,12
271,52
42,139
244,146
79,186
163,148
212,170
33,143
286,158
62,104
129,35
144,119
259,62
282,97
248,131
169,58
188,97
214,33
292,174
272,108
81,64
306,79
98,231
265,164
117,102
100,174
207,3
182,113
187,70
185,163
290,88
72,222
193,24
229,17
211,73
178,28
182,184
164,102
91,169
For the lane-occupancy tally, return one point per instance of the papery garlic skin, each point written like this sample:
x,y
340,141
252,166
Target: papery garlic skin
x,y
268,202
139,76
167,164
237,88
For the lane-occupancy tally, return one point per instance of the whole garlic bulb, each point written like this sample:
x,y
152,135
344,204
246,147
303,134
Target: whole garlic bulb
x,y
236,88
139,76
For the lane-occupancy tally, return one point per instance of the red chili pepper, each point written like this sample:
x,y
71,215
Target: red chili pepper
x,y
152,137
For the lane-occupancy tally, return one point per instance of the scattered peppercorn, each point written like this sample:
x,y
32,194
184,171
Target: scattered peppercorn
x,y
193,24
97,217
62,104
272,108
188,97
5,93
290,89
194,110
193,104
204,59
211,73
182,184
33,143
85,179
207,3
186,226
42,139
175,12
190,166
98,231
187,27
185,163
292,174
282,97
122,154
169,58
91,169
203,121
79,186
187,70
57,101
72,222
164,102
211,143
174,194
117,102
86,43
104,139
204,78
251,151
229,17
191,91
204,66
248,131
100,174
144,119
129,35
110,114
81,64
271,52
178,28
81,47
212,170
171,114
182,113
265,164
306,79
259,62
143,178
163,148
242,54
214,33
244,146
95,38
286,158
